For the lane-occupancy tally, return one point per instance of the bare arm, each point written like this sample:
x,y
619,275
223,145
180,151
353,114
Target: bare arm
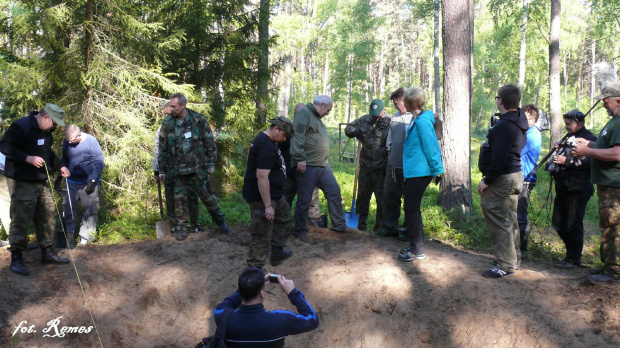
x,y
262,175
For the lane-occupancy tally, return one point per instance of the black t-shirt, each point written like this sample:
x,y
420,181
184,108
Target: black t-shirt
x,y
264,154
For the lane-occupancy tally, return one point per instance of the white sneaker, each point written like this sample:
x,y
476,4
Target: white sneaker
x,y
83,241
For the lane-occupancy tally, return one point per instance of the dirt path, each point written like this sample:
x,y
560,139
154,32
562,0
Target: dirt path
x,y
162,293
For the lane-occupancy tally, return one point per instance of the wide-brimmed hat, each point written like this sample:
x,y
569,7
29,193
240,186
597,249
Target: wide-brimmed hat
x,y
56,113
284,124
611,90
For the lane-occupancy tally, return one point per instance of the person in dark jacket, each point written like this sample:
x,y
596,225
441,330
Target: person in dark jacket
x,y
502,181
573,190
251,325
30,160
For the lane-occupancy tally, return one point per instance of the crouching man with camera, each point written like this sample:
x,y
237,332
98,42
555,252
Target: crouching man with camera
x,y
250,325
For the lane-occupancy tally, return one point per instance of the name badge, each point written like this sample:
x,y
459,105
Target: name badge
x,y
188,135
41,142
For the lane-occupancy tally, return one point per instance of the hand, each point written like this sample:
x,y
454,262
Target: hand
x,y
359,134
559,159
482,186
581,147
90,187
35,161
162,177
286,285
211,170
301,167
437,179
269,214
65,172
556,146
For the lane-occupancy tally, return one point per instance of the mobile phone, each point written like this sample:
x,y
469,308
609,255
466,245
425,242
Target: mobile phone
x,y
273,278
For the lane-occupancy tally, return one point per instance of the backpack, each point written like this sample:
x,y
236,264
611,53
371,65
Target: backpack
x,y
217,340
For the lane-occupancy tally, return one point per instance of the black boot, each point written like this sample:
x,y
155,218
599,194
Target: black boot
x,y
49,256
278,255
223,226
17,263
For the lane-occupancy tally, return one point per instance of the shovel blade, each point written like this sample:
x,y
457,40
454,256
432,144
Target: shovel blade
x,y
162,228
352,219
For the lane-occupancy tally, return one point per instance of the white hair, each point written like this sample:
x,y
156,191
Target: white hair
x,y
322,99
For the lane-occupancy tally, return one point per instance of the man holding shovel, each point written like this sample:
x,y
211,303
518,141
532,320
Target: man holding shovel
x,y
371,130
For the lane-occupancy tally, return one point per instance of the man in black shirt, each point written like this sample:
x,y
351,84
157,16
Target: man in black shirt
x,y
263,189
30,160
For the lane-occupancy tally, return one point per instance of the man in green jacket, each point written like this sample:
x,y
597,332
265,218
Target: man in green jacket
x,y
309,152
187,156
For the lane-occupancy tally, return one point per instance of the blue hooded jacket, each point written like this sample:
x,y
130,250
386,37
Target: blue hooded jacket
x,y
421,154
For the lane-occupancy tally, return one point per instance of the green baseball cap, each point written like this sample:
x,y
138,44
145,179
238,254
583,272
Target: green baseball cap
x,y
56,113
376,106
284,124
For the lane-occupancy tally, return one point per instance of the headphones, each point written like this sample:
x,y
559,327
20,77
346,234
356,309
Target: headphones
x,y
576,115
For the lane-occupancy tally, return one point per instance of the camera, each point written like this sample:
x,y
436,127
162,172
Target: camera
x,y
273,278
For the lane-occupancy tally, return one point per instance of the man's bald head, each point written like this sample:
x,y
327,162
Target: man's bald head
x,y
298,107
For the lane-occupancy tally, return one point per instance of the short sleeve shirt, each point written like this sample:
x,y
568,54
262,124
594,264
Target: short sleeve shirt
x,y
264,154
607,173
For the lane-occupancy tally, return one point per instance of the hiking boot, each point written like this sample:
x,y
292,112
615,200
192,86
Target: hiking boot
x,y
410,256
182,234
223,226
17,263
49,256
346,230
174,231
496,272
362,228
278,255
603,279
304,237
199,229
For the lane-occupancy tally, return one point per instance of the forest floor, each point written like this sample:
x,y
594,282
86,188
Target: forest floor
x,y
161,293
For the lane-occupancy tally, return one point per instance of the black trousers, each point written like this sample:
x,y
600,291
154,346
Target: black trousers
x,y
522,217
414,191
569,209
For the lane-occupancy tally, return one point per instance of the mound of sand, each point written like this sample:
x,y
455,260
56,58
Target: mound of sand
x,y
162,293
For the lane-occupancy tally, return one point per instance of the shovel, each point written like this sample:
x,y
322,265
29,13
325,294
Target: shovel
x,y
161,227
351,218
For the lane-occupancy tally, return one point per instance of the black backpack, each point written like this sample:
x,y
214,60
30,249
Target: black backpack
x,y
217,340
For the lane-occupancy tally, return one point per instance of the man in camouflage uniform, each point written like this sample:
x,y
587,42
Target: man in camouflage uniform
x,y
605,172
187,156
372,131
192,199
30,160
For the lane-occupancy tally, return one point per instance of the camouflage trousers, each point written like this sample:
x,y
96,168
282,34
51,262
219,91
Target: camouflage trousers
x,y
5,203
265,233
31,202
192,205
369,182
609,219
183,185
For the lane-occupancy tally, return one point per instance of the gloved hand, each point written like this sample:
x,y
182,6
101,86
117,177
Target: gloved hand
x,y
437,179
90,186
359,134
58,183
211,170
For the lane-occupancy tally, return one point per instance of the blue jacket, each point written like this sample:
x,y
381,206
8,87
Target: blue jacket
x,y
421,154
253,326
531,152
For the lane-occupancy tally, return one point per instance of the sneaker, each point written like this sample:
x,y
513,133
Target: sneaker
x,y
410,256
182,234
304,237
408,249
603,279
497,272
83,241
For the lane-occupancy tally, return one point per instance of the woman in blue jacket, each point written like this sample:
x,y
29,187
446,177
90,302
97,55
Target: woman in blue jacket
x,y
421,163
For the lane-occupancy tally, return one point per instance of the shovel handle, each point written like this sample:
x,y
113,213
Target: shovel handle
x,y
161,205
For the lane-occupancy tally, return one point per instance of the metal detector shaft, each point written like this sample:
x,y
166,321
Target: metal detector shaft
x,y
544,160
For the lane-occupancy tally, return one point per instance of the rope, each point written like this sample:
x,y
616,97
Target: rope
x,y
49,180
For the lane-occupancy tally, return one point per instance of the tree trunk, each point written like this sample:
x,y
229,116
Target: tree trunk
x,y
592,82
285,85
555,105
88,56
523,45
455,191
326,75
262,89
348,107
437,81
382,68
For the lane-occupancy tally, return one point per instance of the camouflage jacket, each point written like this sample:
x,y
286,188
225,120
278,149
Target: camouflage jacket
x,y
374,150
186,148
